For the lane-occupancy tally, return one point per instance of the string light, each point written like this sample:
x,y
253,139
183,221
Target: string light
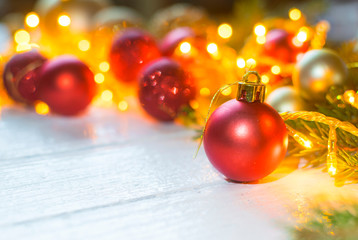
x,y
261,40
104,66
84,45
212,48
21,36
41,108
64,20
265,79
225,30
294,14
185,47
299,137
332,151
99,78
123,105
32,20
194,104
240,62
260,30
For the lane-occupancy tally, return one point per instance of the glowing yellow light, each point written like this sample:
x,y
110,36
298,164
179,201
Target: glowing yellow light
x,y
299,137
64,20
275,69
212,48
107,95
261,40
265,79
41,108
99,78
240,62
21,36
225,30
185,47
351,99
194,104
123,105
32,19
23,47
204,91
260,30
296,42
84,45
227,91
302,36
294,14
251,63
104,66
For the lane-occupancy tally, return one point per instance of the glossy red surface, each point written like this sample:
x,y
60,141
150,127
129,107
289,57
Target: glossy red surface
x,y
164,87
245,141
67,85
173,38
21,76
130,51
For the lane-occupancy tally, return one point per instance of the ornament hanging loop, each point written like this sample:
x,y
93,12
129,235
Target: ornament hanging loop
x,y
251,91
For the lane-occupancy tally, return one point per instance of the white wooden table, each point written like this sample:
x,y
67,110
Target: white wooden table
x,y
112,175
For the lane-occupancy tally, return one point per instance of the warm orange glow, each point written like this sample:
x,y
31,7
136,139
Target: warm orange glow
x,y
260,30
296,42
84,45
294,14
21,36
104,66
240,62
212,48
276,69
261,40
185,47
225,30
205,91
251,63
41,108
32,19
64,20
23,47
194,104
265,79
107,95
123,105
99,78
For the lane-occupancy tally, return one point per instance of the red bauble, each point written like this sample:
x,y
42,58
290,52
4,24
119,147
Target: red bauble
x,y
67,85
245,141
164,88
130,51
279,45
173,38
21,76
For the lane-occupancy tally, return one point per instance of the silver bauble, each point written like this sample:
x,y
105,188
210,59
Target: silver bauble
x,y
316,72
285,99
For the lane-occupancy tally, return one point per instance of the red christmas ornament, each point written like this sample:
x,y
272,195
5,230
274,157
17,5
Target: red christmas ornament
x,y
173,38
130,51
246,139
281,45
21,76
67,85
164,88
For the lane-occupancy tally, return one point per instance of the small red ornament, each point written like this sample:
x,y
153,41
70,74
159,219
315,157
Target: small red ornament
x,y
246,139
130,51
21,76
173,38
164,87
281,46
66,85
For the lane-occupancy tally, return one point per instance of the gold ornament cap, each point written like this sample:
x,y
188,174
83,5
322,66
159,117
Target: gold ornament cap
x,y
251,91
